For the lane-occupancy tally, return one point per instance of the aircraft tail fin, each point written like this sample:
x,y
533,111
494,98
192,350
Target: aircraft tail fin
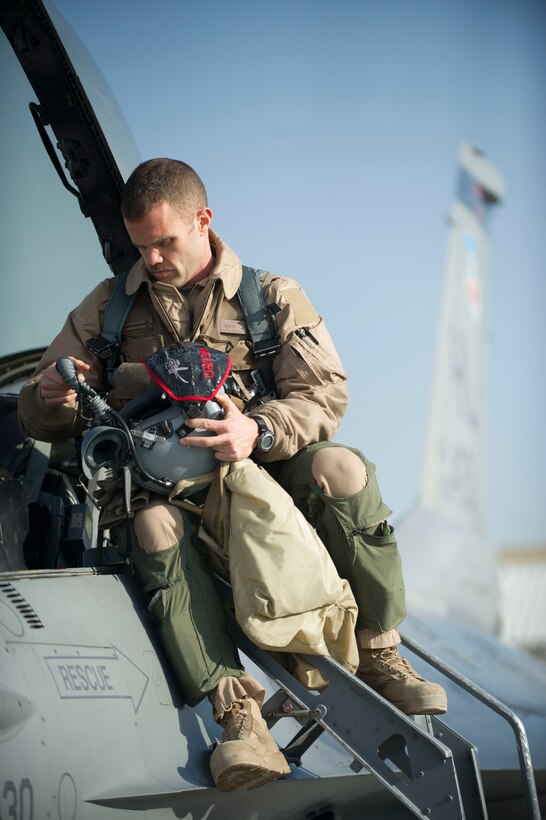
x,y
452,478
449,566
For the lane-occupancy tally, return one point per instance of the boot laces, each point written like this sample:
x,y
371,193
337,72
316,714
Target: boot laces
x,y
391,662
237,723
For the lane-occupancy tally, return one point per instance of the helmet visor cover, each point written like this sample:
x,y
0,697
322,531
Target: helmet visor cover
x,y
188,372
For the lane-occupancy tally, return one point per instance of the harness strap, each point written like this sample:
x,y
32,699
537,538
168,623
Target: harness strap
x,y
258,316
106,345
117,309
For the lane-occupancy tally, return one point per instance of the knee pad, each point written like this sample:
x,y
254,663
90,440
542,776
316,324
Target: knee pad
x,y
158,526
339,472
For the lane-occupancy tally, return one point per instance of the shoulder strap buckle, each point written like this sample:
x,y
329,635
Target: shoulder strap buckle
x,y
267,347
101,347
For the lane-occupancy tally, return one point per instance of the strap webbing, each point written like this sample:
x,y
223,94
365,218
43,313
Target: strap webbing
x,y
259,321
106,345
117,309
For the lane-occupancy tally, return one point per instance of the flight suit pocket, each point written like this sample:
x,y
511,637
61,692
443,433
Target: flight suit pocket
x,y
139,327
381,568
134,350
364,549
313,362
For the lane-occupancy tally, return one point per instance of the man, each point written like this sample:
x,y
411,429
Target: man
x,y
187,282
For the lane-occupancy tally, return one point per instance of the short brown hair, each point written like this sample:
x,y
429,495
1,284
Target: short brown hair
x,y
162,180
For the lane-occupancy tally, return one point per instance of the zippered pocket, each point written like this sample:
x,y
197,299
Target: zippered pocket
x,y
137,328
311,359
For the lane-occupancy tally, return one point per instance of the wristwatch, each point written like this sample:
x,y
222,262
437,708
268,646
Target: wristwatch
x,y
266,437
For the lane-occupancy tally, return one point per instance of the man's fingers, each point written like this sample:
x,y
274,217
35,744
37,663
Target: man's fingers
x,y
204,424
225,402
58,394
223,446
235,433
53,388
53,401
216,425
79,364
202,441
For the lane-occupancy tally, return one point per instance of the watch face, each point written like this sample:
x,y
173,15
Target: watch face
x,y
267,439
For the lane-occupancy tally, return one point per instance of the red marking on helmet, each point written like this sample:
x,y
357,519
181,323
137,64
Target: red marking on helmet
x,y
206,361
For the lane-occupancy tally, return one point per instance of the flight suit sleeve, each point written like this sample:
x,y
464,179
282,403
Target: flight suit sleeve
x,y
309,377
57,424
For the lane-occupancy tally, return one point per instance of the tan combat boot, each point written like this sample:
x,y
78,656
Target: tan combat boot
x,y
248,755
392,677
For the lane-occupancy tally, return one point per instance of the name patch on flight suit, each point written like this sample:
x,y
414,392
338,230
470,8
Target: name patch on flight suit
x,y
235,326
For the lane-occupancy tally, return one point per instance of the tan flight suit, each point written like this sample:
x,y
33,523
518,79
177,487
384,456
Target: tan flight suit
x,y
334,486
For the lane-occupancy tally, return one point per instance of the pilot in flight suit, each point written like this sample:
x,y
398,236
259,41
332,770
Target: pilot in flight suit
x,y
186,283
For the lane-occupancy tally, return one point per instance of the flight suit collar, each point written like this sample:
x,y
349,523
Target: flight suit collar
x,y
227,269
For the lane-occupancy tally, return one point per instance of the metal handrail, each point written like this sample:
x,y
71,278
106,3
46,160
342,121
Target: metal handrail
x,y
522,743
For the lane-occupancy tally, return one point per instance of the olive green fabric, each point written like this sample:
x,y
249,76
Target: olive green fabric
x,y
363,549
189,616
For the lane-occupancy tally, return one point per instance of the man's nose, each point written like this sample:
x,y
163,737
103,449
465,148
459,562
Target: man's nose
x,y
152,256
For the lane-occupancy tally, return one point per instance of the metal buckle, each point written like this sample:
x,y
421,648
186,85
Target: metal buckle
x,y
268,347
101,347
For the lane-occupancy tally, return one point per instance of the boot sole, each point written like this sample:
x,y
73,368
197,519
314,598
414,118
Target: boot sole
x,y
229,773
422,706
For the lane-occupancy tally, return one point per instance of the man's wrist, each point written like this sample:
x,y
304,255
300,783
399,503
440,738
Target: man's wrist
x,y
266,436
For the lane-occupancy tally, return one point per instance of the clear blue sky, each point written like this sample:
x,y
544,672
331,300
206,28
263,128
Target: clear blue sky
x,y
327,134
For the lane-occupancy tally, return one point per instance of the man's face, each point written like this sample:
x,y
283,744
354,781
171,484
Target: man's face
x,y
174,248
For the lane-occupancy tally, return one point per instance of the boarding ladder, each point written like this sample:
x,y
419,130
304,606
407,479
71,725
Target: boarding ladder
x,y
430,769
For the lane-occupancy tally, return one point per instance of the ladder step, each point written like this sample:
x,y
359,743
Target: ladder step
x,y
465,756
431,769
418,768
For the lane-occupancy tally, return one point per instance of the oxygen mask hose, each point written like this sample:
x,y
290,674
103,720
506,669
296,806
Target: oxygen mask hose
x,y
104,413
97,405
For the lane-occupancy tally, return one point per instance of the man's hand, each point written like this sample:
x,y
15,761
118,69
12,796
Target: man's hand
x,y
235,435
53,388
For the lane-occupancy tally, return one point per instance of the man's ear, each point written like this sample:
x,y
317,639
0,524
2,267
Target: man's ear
x,y
204,218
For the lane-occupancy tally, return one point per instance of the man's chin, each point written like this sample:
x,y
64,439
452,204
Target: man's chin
x,y
163,274
171,277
